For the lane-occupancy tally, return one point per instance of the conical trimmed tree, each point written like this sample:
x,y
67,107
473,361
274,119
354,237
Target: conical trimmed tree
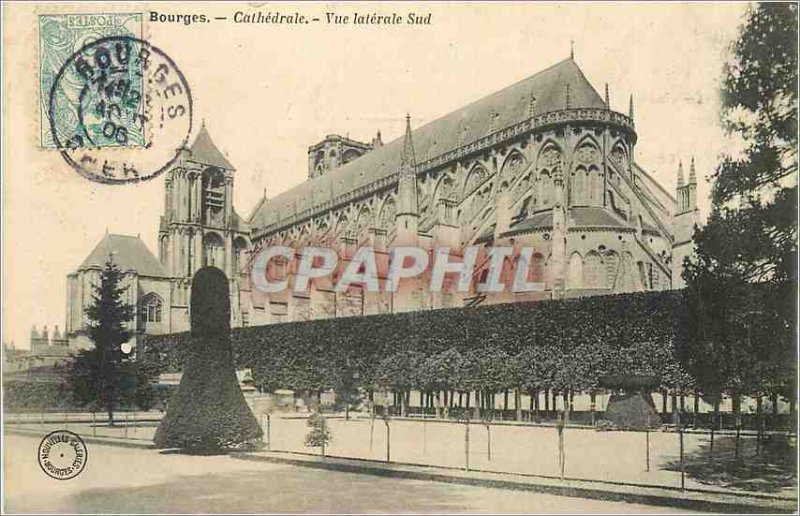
x,y
209,411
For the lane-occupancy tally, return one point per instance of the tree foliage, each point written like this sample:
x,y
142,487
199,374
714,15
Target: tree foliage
x,y
104,375
737,338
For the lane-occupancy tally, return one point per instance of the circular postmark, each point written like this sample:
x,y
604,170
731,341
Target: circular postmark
x,y
120,110
62,455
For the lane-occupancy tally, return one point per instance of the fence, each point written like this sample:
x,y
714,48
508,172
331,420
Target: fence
x,y
654,458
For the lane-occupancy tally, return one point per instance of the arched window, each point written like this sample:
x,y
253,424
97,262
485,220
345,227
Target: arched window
x,y
549,166
575,277
213,196
151,307
587,174
591,271
213,250
239,254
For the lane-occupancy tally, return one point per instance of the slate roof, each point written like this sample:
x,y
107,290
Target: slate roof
x,y
204,151
129,253
510,106
593,216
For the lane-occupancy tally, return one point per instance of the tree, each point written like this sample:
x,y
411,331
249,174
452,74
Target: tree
x,y
209,412
104,375
737,332
319,435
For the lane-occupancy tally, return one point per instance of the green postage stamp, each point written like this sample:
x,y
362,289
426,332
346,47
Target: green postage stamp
x,y
61,36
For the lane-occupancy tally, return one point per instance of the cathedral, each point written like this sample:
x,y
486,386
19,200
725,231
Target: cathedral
x,y
544,162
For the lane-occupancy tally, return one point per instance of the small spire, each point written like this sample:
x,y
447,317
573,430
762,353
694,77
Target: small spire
x,y
34,332
531,106
568,100
572,49
265,192
407,161
692,175
630,108
203,123
680,174
608,98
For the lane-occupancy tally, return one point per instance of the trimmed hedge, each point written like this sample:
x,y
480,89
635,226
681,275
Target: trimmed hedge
x,y
209,411
588,338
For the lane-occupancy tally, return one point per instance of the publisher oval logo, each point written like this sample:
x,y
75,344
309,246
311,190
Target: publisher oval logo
x,y
62,455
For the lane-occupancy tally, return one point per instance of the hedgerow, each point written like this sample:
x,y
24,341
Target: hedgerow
x,y
564,344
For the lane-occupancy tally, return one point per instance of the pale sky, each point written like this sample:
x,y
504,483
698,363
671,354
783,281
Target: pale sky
x,y
267,92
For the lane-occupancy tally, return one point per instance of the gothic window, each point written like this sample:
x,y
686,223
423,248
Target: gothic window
x,y
592,277
151,307
545,188
588,187
612,264
349,155
213,250
213,196
239,254
513,166
575,276
619,156
549,166
475,178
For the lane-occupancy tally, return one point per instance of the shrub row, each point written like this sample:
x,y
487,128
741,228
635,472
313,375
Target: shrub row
x,y
551,344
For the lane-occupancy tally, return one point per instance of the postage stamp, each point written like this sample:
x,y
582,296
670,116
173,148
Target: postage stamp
x,y
120,110
60,36
62,455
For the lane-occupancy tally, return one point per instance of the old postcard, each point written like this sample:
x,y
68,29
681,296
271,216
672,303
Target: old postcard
x,y
399,257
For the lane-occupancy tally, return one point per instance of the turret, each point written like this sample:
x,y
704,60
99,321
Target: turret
x,y
559,239
630,108
687,215
407,217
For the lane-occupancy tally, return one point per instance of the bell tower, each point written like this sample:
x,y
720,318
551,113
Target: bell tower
x,y
200,225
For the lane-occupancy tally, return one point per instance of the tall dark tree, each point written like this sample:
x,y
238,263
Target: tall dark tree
x,y
737,336
208,412
104,375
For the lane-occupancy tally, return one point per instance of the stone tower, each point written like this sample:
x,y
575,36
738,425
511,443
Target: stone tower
x,y
687,215
200,225
335,151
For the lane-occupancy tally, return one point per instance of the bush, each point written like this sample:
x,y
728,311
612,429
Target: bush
x,y
320,435
209,411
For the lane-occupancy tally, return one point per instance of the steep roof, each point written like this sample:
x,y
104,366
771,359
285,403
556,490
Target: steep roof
x,y
496,111
204,151
129,253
